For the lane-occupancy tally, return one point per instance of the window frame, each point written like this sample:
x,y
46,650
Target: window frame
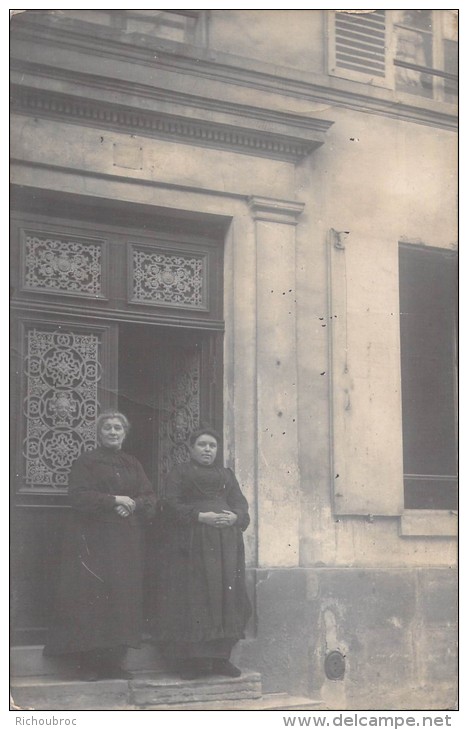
x,y
389,80
197,36
418,511
429,523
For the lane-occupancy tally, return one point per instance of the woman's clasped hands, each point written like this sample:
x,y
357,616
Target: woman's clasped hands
x,y
226,518
124,506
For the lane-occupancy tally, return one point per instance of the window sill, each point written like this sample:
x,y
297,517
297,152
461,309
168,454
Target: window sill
x,y
385,93
429,523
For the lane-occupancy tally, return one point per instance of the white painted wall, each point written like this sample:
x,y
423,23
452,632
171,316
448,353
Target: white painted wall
x,y
384,181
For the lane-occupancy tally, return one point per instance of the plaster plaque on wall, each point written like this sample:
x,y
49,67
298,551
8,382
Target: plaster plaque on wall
x,y
129,156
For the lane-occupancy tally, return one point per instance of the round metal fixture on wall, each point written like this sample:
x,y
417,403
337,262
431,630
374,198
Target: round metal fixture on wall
x,y
335,665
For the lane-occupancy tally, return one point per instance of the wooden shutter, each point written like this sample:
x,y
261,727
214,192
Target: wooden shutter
x,y
359,42
367,465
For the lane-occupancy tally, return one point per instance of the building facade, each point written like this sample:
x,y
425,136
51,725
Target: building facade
x,y
248,217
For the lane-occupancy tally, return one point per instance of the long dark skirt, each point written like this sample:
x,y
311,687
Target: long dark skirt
x,y
202,604
99,597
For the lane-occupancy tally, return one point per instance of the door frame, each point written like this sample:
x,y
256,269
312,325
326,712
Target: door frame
x,y
96,219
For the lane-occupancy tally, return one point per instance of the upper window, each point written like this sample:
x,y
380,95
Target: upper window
x,y
184,26
428,288
175,25
415,51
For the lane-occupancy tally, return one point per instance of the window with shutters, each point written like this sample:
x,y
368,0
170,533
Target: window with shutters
x,y
412,51
359,45
428,287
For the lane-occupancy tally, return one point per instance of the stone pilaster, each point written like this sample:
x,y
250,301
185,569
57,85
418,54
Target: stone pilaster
x,y
276,364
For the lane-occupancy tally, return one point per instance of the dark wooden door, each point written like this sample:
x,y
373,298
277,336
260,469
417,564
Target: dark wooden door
x,y
104,315
65,373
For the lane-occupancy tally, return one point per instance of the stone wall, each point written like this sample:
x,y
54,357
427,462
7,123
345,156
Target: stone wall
x,y
396,630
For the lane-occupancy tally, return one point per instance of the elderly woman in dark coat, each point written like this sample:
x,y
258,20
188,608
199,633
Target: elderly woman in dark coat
x,y
99,602
202,600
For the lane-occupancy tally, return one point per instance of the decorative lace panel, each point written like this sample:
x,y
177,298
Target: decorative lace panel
x,y
62,372
169,279
179,409
64,265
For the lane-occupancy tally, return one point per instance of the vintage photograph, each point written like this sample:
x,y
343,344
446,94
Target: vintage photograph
x,y
234,292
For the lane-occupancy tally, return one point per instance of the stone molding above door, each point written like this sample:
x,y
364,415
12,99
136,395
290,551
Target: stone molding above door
x,y
234,127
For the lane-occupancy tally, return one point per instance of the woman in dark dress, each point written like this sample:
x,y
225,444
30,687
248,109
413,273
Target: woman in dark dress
x,y
202,602
99,602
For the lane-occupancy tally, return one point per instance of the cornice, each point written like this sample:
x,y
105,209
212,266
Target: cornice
x,y
22,71
204,63
275,211
315,89
188,130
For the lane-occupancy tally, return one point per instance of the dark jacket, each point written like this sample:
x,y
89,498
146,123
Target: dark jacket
x,y
202,594
99,597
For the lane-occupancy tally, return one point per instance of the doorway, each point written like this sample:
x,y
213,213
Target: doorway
x,y
166,380
164,391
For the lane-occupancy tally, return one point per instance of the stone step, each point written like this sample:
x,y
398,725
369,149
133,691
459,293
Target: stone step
x,y
168,690
277,701
146,689
47,693
28,661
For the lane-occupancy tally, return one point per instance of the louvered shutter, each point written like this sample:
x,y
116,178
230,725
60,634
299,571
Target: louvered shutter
x,y
359,45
